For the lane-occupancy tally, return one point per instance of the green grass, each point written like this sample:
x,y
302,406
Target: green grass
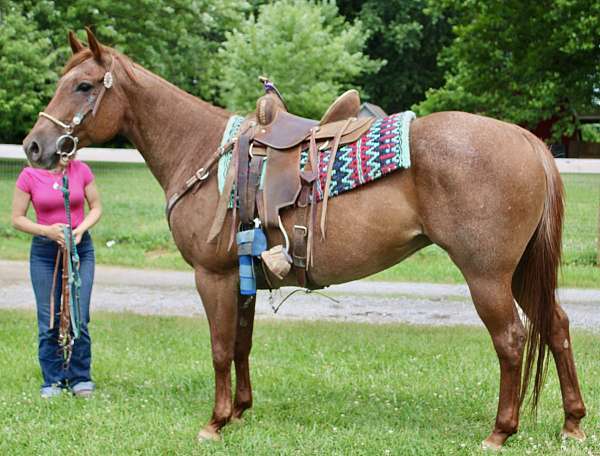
x,y
134,217
319,388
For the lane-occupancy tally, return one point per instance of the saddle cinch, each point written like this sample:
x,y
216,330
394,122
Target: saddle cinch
x,y
272,141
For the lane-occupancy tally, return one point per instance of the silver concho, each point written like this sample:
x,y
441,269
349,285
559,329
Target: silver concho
x,y
77,119
108,80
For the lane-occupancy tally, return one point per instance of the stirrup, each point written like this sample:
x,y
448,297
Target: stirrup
x,y
277,261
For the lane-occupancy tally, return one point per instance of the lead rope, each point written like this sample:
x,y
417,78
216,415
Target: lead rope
x,y
70,310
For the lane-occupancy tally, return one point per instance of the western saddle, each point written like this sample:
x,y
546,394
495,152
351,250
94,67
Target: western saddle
x,y
276,137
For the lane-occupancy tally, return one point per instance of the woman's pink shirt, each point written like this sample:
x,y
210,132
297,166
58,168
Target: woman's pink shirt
x,y
47,198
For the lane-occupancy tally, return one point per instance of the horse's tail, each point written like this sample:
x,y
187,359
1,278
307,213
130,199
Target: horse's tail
x,y
535,280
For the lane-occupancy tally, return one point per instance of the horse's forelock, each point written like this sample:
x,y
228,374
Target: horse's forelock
x,y
77,59
85,54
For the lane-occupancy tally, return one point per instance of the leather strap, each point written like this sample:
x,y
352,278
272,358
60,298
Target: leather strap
x,y
300,236
198,177
242,177
53,290
334,148
65,309
225,197
314,163
254,175
303,227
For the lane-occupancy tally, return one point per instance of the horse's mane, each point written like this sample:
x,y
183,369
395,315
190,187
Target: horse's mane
x,y
85,54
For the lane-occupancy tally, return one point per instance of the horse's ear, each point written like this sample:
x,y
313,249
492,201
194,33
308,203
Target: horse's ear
x,y
76,45
94,45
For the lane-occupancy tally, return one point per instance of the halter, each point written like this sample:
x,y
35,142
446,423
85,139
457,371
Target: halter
x,y
66,145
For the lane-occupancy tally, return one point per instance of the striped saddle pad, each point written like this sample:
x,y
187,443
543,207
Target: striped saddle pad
x,y
382,149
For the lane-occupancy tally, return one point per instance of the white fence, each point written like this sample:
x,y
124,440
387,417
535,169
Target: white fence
x,y
98,154
86,154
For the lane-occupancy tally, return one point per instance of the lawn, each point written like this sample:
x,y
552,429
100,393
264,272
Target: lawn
x,y
134,218
320,388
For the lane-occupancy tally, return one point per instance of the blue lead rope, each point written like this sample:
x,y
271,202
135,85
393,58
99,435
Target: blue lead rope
x,y
74,279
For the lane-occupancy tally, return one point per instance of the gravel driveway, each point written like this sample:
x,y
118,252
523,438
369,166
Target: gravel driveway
x,y
174,293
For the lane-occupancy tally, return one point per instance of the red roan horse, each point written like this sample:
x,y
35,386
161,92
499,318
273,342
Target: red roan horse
x,y
486,191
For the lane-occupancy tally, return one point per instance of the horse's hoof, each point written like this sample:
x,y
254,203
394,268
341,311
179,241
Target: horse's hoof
x,y
488,445
576,434
236,420
207,435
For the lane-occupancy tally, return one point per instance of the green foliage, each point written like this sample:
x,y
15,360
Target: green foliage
x,y
176,39
590,133
521,61
26,74
306,48
408,36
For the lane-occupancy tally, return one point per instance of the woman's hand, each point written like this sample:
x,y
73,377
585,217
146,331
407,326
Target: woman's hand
x,y
78,235
55,232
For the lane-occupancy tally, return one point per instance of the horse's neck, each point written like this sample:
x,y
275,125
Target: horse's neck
x,y
174,131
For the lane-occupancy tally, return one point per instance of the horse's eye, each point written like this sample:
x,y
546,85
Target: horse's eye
x,y
84,87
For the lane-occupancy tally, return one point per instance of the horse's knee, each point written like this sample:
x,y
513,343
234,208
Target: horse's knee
x,y
222,358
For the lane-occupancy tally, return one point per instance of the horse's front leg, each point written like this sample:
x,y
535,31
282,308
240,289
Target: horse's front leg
x,y
219,293
243,344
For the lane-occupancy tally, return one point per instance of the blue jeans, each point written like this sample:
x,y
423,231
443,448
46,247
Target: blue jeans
x,y
41,264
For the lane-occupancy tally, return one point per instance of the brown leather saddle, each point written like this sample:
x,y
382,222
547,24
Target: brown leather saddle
x,y
277,137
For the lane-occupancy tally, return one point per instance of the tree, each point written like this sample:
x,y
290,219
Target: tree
x,y
177,39
306,48
26,72
408,35
521,61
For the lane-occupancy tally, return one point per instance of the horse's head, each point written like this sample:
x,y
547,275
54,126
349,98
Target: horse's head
x,y
88,106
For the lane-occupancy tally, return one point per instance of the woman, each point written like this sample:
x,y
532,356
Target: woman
x,y
42,188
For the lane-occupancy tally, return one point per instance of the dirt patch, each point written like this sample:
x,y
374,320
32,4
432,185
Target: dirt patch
x,y
173,293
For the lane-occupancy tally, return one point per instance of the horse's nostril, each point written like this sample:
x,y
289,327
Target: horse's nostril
x,y
33,150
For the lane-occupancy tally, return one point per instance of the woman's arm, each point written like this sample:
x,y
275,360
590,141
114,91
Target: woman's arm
x,y
93,198
20,206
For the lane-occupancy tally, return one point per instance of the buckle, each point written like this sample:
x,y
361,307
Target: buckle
x,y
302,229
202,174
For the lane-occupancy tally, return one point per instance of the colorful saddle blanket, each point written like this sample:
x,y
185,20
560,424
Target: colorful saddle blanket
x,y
383,148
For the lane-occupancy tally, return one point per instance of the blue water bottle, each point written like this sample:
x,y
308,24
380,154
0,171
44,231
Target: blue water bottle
x,y
250,244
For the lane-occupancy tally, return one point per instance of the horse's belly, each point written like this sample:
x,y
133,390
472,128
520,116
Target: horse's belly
x,y
368,229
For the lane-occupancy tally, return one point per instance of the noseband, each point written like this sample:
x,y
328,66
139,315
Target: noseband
x,y
66,145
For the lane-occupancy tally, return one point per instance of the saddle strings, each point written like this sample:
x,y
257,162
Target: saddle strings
x,y
306,291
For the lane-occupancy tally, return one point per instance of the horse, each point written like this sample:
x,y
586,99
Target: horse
x,y
486,191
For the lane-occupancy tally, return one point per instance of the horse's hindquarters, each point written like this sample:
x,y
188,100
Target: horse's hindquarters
x,y
480,188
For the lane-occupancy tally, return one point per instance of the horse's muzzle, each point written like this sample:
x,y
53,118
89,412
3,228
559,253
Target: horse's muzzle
x,y
39,154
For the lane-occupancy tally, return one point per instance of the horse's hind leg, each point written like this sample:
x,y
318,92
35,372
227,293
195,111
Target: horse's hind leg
x,y
219,295
495,305
243,344
560,345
